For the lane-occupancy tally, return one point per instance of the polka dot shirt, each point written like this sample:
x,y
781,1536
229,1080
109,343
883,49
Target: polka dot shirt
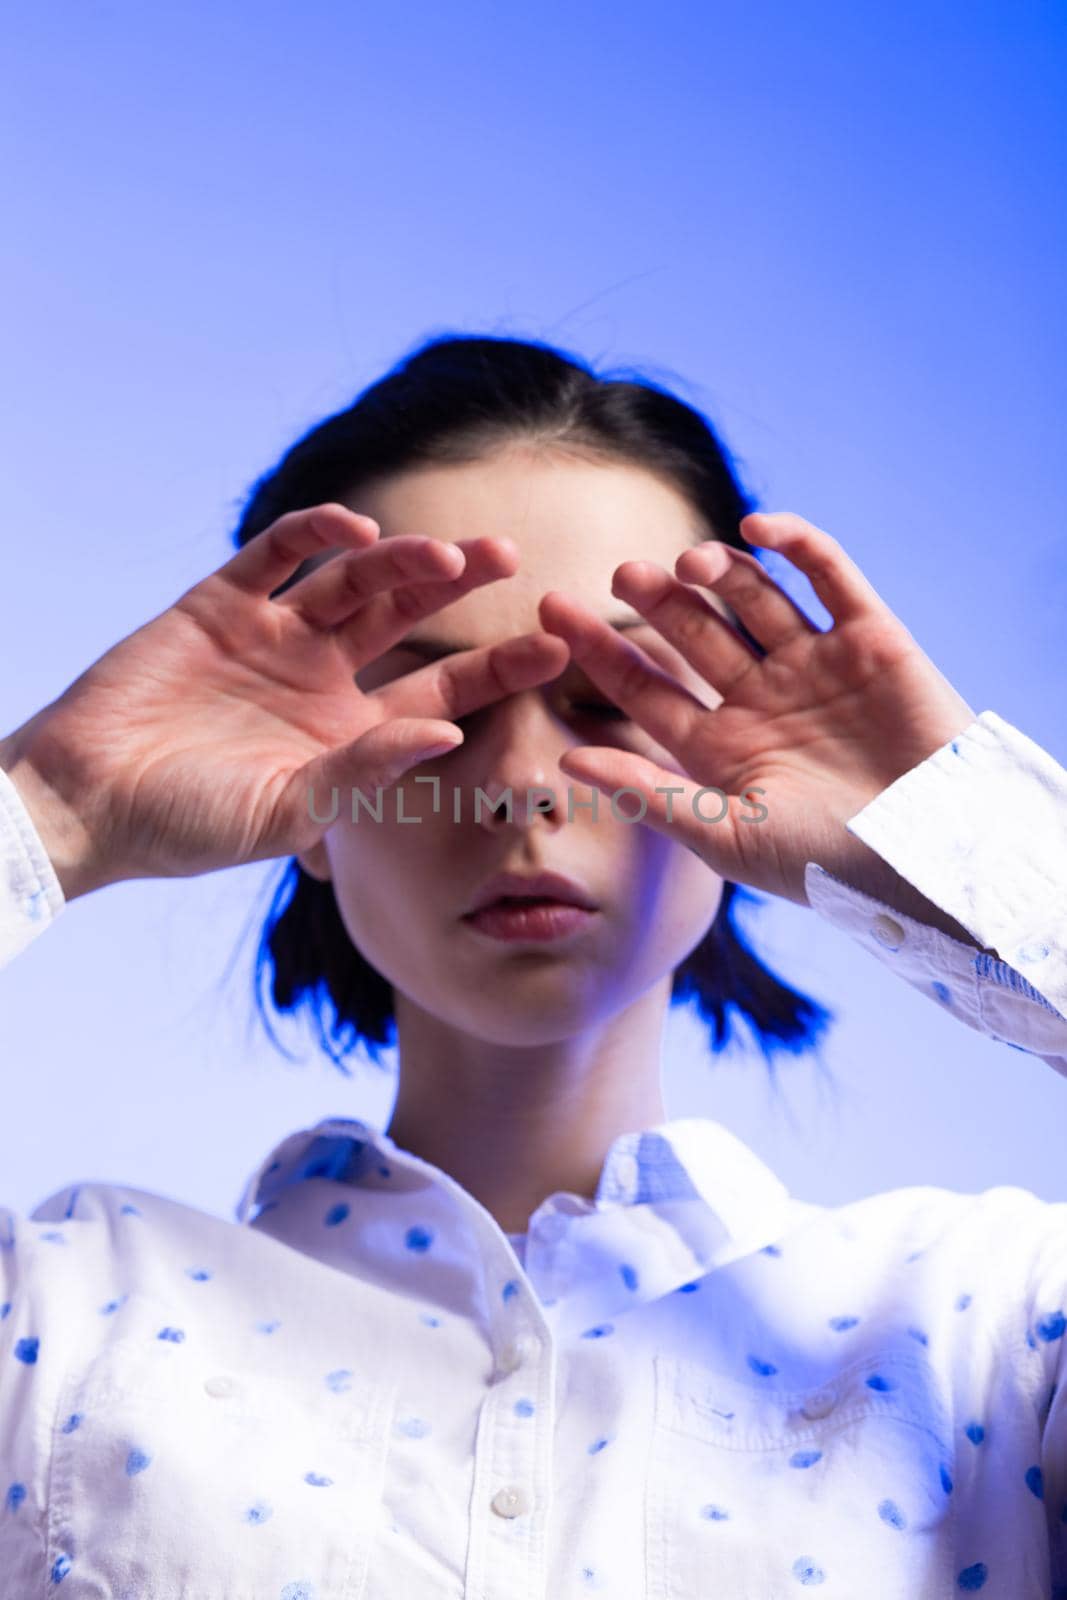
x,y
692,1385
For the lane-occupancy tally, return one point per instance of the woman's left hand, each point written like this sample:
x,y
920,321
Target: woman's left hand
x,y
816,728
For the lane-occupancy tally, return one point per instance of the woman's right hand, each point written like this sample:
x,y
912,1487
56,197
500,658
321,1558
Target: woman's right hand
x,y
197,741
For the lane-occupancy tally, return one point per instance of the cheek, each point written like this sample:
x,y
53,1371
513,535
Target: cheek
x,y
378,880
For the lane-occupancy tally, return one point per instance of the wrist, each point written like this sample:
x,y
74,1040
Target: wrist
x,y
63,834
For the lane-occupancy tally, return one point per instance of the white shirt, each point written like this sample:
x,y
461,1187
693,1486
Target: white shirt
x,y
692,1386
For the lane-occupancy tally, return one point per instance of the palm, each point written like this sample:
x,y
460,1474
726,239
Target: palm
x,y
818,725
213,734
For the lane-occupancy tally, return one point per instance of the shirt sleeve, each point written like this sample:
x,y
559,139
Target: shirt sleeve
x,y
980,829
30,895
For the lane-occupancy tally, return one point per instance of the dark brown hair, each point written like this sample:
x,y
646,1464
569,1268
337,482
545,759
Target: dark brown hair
x,y
456,399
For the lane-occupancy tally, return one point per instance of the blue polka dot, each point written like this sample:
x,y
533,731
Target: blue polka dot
x,y
1052,1327
418,1238
766,1369
942,992
955,748
714,1514
510,1290
946,1480
136,1462
1035,1482
598,1445
60,1568
629,1275
842,1324
260,1512
413,1427
771,1250
601,1331
198,1274
963,1302
129,1211
336,1214
173,1335
298,1591
113,1305
806,1570
26,1350
72,1422
340,1380
918,1335
805,1458
317,1481
973,1577
524,1408
430,1321
880,1383
15,1496
975,1432
54,1237
891,1513
688,1288
4,1309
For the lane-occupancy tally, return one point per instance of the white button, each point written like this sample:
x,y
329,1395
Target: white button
x,y
514,1354
626,1170
219,1386
819,1405
887,931
511,1502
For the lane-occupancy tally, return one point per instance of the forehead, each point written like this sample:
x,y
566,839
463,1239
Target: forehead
x,y
573,521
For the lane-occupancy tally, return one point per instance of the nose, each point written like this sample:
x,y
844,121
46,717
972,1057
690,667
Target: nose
x,y
517,748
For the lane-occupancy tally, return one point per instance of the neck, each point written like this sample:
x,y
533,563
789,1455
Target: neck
x,y
515,1123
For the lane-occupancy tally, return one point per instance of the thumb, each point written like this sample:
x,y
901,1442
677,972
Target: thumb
x,y
376,760
703,818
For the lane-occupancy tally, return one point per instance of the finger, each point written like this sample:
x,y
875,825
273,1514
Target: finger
x,y
705,638
384,620
703,819
329,595
770,615
472,679
273,555
834,576
377,759
626,674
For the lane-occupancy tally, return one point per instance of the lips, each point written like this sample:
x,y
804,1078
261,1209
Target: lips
x,y
542,886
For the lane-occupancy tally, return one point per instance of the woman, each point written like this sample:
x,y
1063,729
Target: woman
x,y
498,630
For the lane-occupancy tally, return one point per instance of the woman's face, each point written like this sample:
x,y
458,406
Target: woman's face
x,y
402,887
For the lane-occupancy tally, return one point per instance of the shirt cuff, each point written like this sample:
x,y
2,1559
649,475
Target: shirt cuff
x,y
30,894
980,828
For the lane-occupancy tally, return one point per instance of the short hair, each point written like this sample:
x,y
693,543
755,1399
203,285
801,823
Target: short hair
x,y
459,399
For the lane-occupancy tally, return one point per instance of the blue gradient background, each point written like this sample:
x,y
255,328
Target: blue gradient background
x,y
840,234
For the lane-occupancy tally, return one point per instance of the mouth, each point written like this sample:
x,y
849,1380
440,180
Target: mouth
x,y
529,919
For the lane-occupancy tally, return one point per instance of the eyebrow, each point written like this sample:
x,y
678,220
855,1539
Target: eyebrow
x,y
434,649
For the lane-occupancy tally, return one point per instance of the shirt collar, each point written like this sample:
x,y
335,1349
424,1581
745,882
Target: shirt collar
x,y
689,1159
